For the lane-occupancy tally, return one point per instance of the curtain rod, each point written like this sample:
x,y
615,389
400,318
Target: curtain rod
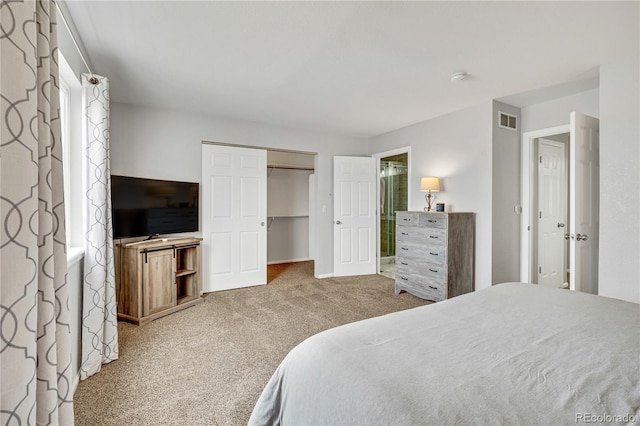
x,y
93,79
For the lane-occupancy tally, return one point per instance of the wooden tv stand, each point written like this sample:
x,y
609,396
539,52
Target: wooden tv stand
x,y
157,277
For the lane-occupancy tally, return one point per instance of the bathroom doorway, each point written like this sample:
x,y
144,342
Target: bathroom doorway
x,y
394,190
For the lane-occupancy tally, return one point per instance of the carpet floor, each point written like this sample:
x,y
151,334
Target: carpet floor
x,y
208,364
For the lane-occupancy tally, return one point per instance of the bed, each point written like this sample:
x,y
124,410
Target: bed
x,y
511,354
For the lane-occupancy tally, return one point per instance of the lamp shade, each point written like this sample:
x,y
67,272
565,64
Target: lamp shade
x,y
429,183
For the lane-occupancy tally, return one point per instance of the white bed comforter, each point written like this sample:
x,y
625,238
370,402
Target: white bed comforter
x,y
511,354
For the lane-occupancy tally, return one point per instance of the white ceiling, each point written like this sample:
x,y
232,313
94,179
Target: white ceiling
x,y
353,68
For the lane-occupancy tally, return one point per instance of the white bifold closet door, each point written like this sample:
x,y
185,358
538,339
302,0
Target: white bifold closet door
x,y
234,214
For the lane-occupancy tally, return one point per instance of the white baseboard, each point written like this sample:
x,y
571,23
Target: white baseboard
x,y
321,276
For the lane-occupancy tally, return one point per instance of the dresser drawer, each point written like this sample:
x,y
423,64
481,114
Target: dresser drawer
x,y
422,266
434,291
425,236
407,218
433,220
409,249
420,286
435,272
416,250
435,254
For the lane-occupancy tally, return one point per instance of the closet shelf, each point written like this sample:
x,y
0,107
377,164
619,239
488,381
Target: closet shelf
x,y
284,167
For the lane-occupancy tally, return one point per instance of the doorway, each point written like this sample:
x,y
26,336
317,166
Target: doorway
x,y
290,193
550,258
580,229
393,197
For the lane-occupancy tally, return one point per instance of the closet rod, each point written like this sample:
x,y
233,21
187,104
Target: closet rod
x,y
269,166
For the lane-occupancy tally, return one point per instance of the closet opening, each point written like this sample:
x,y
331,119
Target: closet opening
x,y
257,210
290,195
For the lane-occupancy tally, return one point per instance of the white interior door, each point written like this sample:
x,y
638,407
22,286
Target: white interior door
x,y
552,202
354,215
234,209
583,211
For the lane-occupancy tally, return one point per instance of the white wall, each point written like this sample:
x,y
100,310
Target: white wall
x,y
162,143
287,239
287,192
556,112
287,214
619,266
456,147
506,196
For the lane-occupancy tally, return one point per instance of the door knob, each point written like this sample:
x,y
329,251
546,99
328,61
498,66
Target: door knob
x,y
338,222
581,237
560,225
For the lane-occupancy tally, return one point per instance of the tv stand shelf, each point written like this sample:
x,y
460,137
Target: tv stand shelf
x,y
183,272
157,277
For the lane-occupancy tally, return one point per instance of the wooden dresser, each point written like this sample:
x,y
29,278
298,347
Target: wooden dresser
x,y
435,254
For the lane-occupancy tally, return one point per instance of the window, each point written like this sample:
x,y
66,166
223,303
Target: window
x,y
66,148
72,157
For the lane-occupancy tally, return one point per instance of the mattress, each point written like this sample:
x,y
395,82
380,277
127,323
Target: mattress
x,y
511,354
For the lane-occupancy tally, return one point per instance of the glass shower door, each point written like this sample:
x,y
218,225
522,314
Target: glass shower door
x,y
393,197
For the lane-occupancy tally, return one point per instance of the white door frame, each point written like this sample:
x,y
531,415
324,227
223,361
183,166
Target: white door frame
x,y
378,156
528,184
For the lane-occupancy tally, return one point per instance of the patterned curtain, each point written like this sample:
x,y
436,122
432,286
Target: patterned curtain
x,y
35,351
99,322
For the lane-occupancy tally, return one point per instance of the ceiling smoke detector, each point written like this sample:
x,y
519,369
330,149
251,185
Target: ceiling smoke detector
x,y
459,76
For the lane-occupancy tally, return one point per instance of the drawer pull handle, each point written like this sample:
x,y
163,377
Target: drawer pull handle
x,y
431,221
406,279
404,233
404,263
434,237
433,254
406,220
404,248
432,287
433,270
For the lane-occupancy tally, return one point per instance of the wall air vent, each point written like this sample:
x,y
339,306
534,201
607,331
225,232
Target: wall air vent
x,y
507,121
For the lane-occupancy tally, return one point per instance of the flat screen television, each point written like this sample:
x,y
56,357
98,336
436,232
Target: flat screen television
x,y
148,207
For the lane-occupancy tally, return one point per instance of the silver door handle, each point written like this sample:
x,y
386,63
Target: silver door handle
x,y
560,225
338,222
261,223
567,236
581,237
